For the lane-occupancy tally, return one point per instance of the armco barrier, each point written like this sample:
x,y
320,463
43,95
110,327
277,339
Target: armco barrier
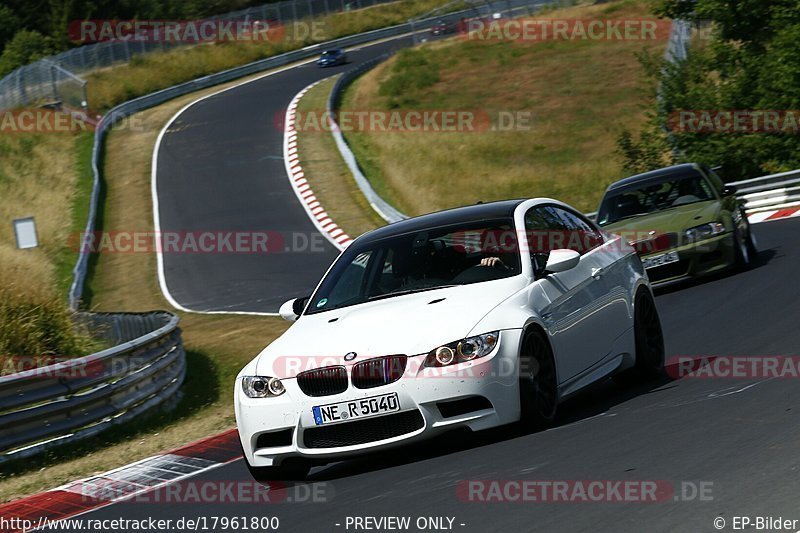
x,y
52,405
770,192
381,206
145,102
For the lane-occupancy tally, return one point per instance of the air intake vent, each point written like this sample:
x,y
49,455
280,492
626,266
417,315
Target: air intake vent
x,y
275,439
323,381
379,371
363,431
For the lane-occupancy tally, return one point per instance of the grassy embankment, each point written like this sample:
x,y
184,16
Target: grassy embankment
x,y
48,176
581,94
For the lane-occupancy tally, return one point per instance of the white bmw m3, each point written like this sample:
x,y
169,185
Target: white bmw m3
x,y
472,317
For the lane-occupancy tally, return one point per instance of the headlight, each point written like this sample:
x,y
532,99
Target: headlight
x,y
704,231
463,350
262,386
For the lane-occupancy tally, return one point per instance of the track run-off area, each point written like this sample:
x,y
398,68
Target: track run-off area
x,y
722,447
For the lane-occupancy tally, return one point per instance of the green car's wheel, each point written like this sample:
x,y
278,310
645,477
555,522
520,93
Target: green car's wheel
x,y
743,243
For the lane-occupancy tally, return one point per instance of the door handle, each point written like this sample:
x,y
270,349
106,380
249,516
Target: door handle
x,y
597,273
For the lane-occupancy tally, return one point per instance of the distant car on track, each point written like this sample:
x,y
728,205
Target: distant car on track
x,y
683,221
443,27
467,318
333,57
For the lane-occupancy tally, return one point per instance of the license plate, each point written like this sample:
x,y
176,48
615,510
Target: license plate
x,y
660,260
355,409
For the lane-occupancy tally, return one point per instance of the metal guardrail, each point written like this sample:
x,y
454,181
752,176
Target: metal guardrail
x,y
56,78
381,206
153,99
770,192
61,403
386,211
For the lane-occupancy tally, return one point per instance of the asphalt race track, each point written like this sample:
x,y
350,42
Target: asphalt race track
x,y
220,168
740,439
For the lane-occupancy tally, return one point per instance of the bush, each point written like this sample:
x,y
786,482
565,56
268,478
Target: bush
x,y
25,47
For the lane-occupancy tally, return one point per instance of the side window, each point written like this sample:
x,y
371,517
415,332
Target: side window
x,y
581,236
542,226
716,181
550,228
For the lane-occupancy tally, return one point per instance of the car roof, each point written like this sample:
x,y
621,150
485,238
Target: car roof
x,y
653,176
459,215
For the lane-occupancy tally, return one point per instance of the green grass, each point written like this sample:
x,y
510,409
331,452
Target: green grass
x,y
79,212
151,72
40,176
580,95
328,176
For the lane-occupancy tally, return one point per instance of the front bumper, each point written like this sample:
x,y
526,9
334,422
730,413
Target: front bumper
x,y
421,392
696,259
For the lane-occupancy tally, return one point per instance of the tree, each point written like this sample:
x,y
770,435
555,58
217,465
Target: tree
x,y
9,24
25,47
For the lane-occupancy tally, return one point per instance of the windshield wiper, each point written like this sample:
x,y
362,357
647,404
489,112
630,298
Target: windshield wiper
x,y
407,291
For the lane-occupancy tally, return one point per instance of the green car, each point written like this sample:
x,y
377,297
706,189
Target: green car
x,y
682,220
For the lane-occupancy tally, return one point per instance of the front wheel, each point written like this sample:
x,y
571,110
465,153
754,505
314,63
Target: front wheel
x,y
649,336
538,381
745,247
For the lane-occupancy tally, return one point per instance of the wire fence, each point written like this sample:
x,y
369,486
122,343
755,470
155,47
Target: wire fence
x,y
58,78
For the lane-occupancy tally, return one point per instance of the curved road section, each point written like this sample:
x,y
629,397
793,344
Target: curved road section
x,y
692,451
235,237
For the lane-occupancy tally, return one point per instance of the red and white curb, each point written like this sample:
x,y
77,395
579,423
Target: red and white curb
x,y
300,184
775,214
122,483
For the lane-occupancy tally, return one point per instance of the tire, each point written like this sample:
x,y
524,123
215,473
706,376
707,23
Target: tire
x,y
649,340
538,377
744,245
752,246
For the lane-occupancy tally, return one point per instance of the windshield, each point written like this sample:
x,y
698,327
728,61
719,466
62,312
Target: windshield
x,y
329,53
637,200
402,264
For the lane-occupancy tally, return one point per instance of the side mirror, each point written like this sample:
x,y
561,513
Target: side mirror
x,y
292,309
729,190
561,260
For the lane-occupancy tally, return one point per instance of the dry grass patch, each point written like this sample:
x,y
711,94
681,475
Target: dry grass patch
x,y
148,73
217,346
580,95
41,175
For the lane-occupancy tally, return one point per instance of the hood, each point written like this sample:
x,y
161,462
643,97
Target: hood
x,y
412,324
674,220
